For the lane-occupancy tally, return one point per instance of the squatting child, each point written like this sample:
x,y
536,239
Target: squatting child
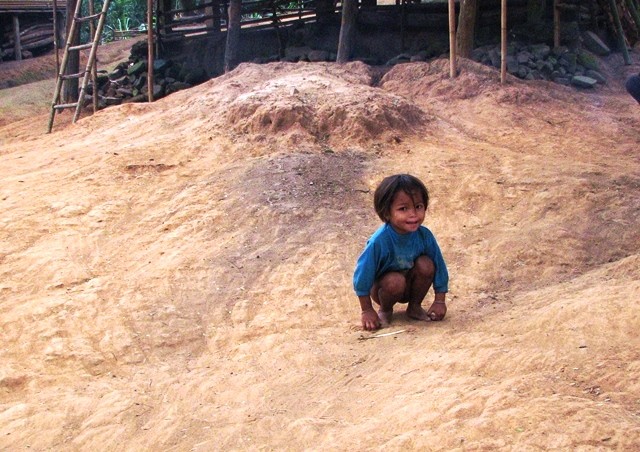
x,y
402,259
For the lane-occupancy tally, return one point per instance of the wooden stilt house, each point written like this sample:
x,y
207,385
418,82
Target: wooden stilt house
x,y
27,27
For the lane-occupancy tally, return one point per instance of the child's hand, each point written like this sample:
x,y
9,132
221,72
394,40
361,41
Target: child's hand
x,y
437,311
370,320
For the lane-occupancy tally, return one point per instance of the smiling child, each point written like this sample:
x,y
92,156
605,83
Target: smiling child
x,y
402,259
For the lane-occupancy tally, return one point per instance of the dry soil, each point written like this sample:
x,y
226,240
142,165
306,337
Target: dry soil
x,y
177,275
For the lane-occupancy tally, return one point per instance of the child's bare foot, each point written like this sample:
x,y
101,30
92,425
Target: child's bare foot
x,y
385,318
417,313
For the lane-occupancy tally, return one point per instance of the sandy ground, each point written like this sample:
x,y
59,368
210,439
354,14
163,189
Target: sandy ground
x,y
177,275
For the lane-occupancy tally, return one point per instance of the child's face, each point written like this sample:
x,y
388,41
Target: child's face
x,y
407,212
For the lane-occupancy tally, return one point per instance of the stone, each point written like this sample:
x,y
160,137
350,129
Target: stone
x,y
588,60
296,53
160,65
593,42
139,50
421,56
568,61
402,58
195,76
494,56
478,54
318,55
581,81
523,57
540,51
137,68
177,86
596,75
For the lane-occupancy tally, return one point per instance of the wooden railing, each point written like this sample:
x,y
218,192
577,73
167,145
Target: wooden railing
x,y
211,17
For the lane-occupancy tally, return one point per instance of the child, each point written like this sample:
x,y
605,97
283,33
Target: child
x,y
402,259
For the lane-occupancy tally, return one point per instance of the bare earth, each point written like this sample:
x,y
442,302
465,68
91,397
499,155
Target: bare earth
x,y
177,275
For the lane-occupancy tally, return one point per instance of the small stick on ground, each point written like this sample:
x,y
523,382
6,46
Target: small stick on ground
x,y
364,338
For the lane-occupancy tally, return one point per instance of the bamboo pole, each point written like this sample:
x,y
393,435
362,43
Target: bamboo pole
x,y
503,41
453,70
556,24
94,66
634,13
621,38
17,44
150,50
55,35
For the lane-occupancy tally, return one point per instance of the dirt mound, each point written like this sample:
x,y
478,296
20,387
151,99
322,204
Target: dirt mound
x,y
318,102
432,80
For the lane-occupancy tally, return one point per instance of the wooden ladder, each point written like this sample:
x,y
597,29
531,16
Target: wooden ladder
x,y
96,31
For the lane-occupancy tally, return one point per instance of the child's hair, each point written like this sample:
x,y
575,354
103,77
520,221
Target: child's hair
x,y
633,86
390,186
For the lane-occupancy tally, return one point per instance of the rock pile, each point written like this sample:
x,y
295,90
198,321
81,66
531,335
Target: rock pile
x,y
128,81
562,65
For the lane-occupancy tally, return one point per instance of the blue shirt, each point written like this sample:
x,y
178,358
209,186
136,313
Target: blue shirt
x,y
386,251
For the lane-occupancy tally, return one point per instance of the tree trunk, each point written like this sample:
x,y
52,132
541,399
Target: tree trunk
x,y
466,27
70,93
347,30
233,35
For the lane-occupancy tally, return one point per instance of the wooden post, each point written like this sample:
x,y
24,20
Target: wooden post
x,y
620,31
556,24
150,50
452,39
233,35
503,41
17,44
347,29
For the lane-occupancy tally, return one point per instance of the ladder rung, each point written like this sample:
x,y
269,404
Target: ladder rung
x,y
72,76
63,106
87,18
82,46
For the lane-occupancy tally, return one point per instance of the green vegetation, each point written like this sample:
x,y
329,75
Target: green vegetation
x,y
123,15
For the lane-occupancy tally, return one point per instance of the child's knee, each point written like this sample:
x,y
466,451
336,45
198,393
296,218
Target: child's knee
x,y
393,283
424,266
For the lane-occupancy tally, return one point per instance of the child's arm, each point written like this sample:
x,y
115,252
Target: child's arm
x,y
438,309
370,320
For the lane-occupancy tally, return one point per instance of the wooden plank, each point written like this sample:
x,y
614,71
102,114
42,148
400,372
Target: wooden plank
x,y
30,5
